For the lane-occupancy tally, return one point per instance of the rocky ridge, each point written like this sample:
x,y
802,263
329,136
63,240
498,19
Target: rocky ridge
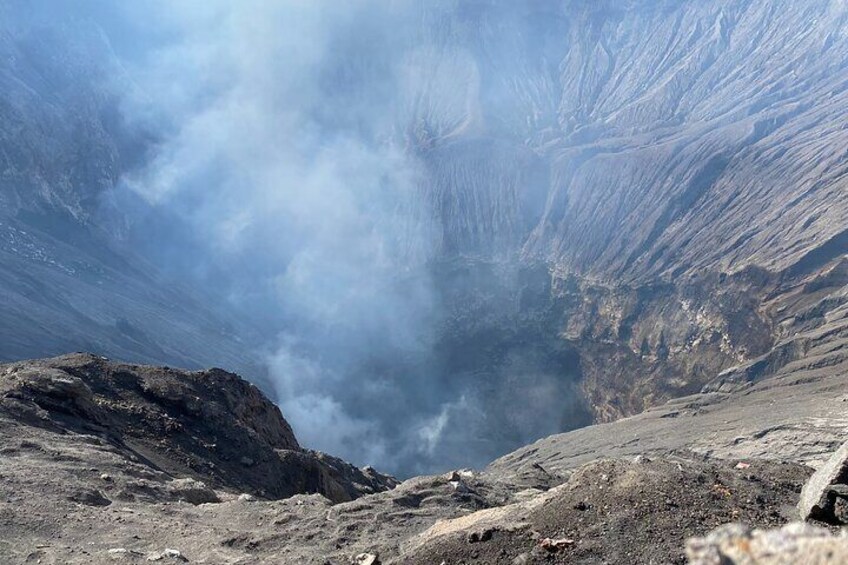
x,y
148,428
103,461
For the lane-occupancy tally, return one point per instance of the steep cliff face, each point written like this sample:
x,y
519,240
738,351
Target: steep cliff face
x,y
67,283
693,172
715,141
634,196
62,140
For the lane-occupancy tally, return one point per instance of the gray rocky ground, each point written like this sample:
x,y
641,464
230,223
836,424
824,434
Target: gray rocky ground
x,y
102,462
652,196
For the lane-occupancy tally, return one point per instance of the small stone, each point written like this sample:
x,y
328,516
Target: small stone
x,y
735,543
106,477
121,553
192,491
174,554
742,465
367,559
460,487
90,498
482,536
555,545
245,497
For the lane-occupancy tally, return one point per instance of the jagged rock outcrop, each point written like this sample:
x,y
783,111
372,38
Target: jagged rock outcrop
x,y
148,428
825,496
614,510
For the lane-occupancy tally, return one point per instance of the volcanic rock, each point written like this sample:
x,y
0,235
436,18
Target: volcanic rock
x,y
825,495
792,544
170,440
162,433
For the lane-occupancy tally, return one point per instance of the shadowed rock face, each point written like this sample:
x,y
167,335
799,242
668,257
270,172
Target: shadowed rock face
x,y
159,423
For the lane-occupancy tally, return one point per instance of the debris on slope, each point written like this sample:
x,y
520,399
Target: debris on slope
x,y
102,461
617,511
797,415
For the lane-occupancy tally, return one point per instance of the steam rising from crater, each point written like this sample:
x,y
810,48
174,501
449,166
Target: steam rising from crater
x,y
307,163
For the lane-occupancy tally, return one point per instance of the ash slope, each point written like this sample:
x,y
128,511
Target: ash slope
x,y
67,282
103,462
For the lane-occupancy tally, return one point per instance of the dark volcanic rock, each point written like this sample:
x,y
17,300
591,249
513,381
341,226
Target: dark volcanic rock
x,y
615,511
210,426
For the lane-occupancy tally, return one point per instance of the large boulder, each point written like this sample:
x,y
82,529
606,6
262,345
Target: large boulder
x,y
825,496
